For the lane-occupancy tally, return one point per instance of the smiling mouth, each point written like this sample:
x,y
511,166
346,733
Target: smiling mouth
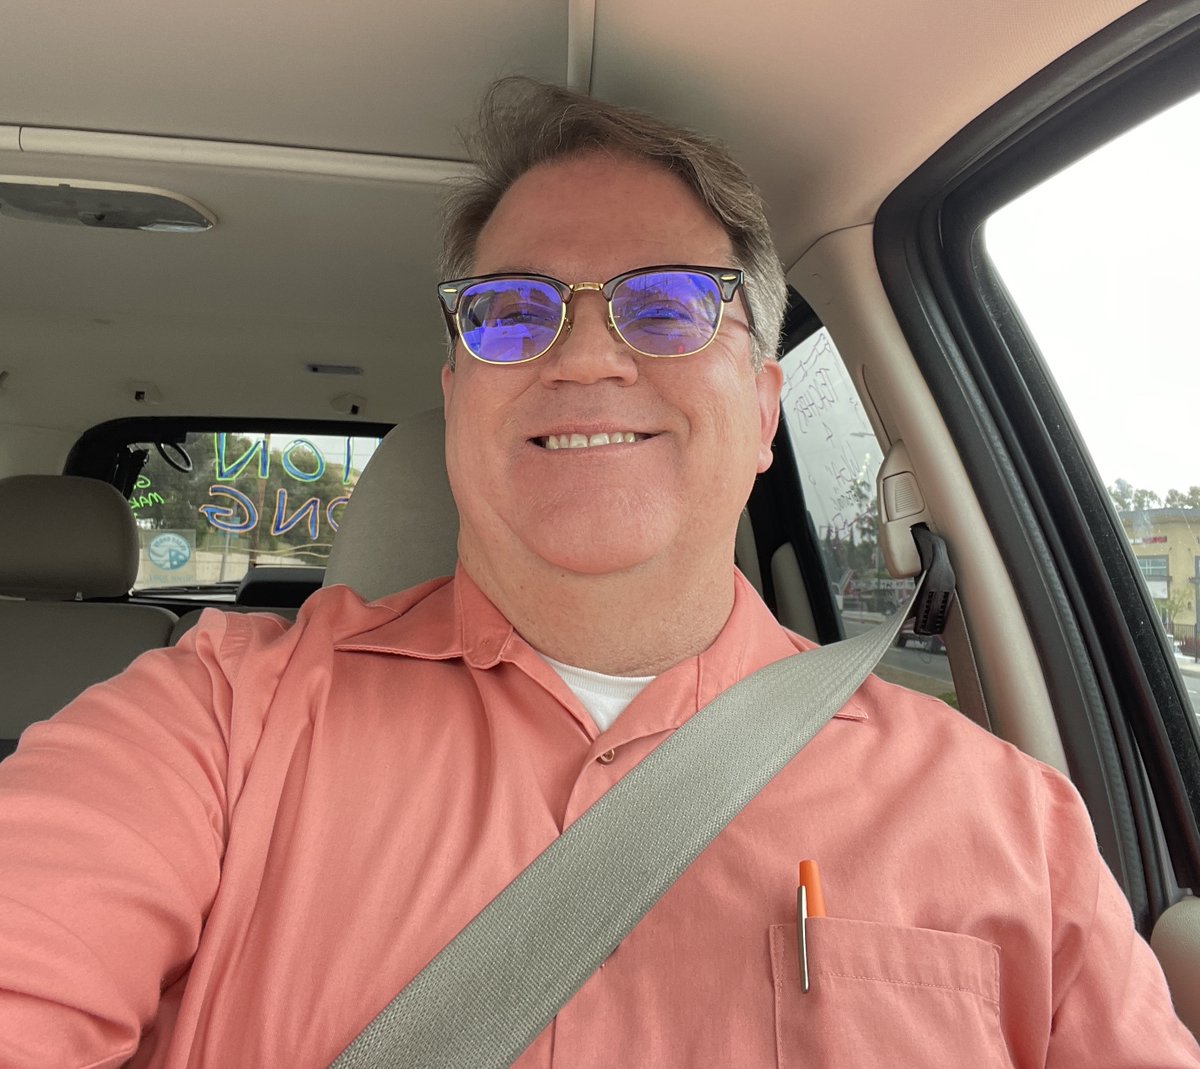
x,y
589,441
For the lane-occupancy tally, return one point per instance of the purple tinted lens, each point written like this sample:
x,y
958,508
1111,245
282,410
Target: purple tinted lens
x,y
506,320
667,313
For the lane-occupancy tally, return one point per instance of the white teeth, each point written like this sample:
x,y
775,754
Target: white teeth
x,y
584,441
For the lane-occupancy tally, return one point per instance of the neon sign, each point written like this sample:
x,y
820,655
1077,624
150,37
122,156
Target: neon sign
x,y
242,515
237,512
227,469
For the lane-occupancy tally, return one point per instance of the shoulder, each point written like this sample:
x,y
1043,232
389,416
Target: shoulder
x,y
331,614
941,744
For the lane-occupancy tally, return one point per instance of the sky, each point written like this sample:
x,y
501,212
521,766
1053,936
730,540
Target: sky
x,y
1103,260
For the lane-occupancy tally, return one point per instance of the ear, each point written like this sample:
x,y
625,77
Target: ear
x,y
447,389
769,383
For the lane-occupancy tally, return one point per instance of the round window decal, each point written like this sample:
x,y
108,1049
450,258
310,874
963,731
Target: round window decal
x,y
169,551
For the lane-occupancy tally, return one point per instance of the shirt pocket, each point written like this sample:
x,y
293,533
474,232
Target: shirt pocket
x,y
882,995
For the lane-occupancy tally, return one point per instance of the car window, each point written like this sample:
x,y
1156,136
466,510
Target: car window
x,y
248,499
837,458
1100,260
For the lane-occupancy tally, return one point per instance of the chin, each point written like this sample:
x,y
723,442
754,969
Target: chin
x,y
594,556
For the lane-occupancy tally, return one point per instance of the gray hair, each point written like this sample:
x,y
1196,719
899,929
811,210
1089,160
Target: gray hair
x,y
523,123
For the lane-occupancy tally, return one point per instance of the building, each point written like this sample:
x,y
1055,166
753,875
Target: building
x,y
1166,543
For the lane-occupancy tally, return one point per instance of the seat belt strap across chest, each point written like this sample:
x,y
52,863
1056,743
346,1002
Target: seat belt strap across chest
x,y
489,992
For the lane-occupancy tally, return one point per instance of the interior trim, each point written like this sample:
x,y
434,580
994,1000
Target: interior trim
x,y
864,325
1176,941
230,154
581,39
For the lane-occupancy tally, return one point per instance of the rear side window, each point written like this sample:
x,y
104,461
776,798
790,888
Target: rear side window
x,y
837,459
223,502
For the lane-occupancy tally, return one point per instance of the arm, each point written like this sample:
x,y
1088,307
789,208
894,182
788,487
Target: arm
x,y
1112,1009
112,829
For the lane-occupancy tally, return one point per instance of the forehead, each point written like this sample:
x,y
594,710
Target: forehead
x,y
591,217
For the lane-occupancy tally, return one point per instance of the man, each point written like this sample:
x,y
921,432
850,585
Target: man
x,y
239,850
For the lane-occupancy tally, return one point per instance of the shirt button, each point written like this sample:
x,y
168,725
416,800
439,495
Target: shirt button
x,y
608,757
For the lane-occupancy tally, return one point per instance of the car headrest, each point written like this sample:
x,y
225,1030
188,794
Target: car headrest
x,y
400,526
63,536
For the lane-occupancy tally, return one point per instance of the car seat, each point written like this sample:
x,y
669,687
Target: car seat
x,y
65,539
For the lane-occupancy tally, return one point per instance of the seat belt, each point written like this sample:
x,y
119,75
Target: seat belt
x,y
903,517
964,669
493,988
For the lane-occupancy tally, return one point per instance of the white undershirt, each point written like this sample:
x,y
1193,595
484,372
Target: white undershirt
x,y
604,697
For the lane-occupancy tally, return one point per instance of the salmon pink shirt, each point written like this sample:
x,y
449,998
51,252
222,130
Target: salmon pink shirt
x,y
235,853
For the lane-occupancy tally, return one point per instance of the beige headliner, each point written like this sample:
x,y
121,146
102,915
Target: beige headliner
x,y
327,255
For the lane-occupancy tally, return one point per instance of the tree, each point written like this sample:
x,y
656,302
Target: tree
x,y
1176,499
1128,498
166,499
851,549
1172,607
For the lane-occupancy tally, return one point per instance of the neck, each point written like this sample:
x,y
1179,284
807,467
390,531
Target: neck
x,y
638,622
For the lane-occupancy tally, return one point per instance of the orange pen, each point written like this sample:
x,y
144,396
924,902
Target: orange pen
x,y
810,902
810,880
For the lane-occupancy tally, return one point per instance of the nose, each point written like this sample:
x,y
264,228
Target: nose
x,y
590,350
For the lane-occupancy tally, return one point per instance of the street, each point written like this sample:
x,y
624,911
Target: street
x,y
930,672
912,668
1191,680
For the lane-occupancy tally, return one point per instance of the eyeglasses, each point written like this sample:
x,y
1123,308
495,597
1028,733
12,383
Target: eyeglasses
x,y
663,311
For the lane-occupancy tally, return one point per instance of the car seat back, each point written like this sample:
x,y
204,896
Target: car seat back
x,y
64,539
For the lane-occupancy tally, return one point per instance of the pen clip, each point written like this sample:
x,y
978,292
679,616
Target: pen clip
x,y
802,934
810,902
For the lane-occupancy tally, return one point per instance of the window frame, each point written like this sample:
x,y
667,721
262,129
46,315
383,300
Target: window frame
x,y
777,508
101,453
1131,750
95,452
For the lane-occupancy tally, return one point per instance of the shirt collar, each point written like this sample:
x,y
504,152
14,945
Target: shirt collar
x,y
751,639
437,621
452,618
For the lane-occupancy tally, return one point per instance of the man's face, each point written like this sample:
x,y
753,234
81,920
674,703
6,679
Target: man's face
x,y
704,423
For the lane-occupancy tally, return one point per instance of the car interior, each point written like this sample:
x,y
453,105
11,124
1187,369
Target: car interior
x,y
228,227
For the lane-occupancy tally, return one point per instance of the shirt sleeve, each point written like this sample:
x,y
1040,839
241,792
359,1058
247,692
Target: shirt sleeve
x,y
113,821
1112,1008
